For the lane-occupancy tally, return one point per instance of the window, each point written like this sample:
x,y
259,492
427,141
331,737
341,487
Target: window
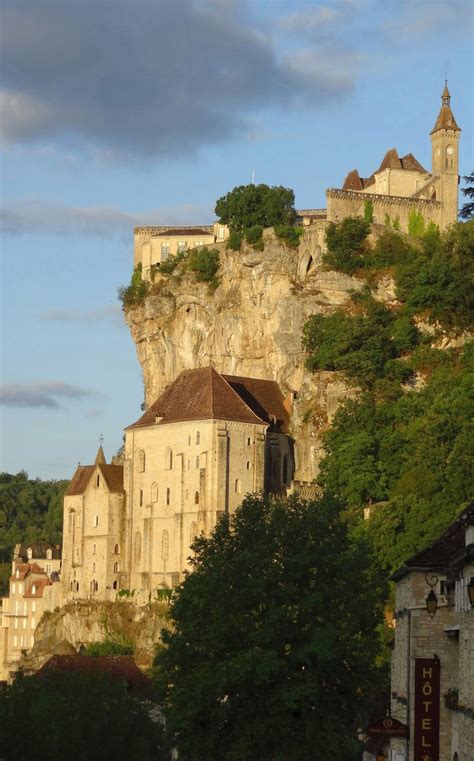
x,y
116,567
248,465
165,545
48,568
193,532
115,585
33,589
141,461
141,497
15,641
17,574
197,461
237,486
169,459
249,441
116,550
189,441
182,246
96,586
198,437
189,464
138,547
33,606
29,553
96,521
97,483
196,498
165,251
20,588
93,567
168,495
221,233
94,549
199,243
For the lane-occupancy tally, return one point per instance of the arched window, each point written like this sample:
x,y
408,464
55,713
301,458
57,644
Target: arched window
x,y
248,465
33,589
237,486
168,495
138,547
154,492
96,586
196,498
116,567
285,476
193,532
449,157
116,550
77,586
141,460
249,441
115,585
96,521
198,437
165,545
169,459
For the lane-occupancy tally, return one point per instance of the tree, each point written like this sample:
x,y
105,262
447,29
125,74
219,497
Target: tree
x,y
346,243
249,205
273,637
467,210
88,717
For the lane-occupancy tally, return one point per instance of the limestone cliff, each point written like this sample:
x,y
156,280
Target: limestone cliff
x,y
250,325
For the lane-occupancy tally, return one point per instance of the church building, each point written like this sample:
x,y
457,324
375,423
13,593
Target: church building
x,y
195,453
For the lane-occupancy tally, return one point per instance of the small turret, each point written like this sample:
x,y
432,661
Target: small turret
x,y
445,118
100,457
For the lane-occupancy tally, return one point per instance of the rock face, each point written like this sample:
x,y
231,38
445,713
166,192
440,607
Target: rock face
x,y
250,325
85,621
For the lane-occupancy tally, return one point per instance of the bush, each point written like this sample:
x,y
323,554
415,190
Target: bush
x,y
289,235
416,223
135,292
346,242
234,241
254,236
109,647
205,263
390,249
369,211
249,205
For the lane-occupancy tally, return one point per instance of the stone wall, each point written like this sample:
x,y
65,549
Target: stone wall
x,y
350,203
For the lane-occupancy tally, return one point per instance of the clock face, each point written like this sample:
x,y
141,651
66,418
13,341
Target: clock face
x,y
449,150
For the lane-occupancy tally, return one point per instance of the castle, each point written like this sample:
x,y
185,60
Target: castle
x,y
396,190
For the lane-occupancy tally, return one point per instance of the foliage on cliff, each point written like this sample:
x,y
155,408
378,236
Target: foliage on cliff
x,y
409,447
272,644
136,291
30,510
73,715
246,206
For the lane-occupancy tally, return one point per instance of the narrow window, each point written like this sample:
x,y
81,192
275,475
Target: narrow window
x,y
237,486
115,585
198,438
141,461
189,441
116,549
138,547
116,567
196,498
141,497
93,567
29,553
197,461
33,606
97,483
165,545
96,521
169,459
248,465
49,554
33,589
168,495
94,548
249,441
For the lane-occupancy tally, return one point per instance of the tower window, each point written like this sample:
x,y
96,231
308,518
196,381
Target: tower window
x,y
116,549
197,461
248,465
237,486
141,461
196,498
198,438
141,497
94,549
116,567
169,459
168,495
96,521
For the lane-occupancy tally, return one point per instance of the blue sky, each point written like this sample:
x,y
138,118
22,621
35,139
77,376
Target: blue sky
x,y
136,112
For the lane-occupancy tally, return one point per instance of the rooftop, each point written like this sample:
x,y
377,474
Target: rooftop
x,y
117,667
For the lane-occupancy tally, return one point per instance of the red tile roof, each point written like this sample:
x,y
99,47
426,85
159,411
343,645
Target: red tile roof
x,y
353,181
39,585
113,477
117,667
410,163
444,551
263,397
25,569
201,394
445,120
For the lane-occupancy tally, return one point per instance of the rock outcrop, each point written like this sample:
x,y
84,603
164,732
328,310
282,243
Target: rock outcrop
x,y
250,325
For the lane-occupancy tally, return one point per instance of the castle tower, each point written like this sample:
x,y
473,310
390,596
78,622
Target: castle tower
x,y
445,160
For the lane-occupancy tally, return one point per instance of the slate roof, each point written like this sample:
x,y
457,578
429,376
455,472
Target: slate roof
x,y
112,474
39,550
183,231
118,667
444,551
204,394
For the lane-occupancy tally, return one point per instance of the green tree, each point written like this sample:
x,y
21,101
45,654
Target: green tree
x,y
346,244
273,642
248,205
467,211
416,223
369,212
88,717
135,292
204,262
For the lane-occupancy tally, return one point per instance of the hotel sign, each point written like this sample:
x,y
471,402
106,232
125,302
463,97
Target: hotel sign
x,y
427,694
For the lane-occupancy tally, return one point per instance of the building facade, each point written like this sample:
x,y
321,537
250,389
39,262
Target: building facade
x,y
443,643
204,444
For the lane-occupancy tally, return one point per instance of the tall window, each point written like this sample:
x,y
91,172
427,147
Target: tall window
x,y
165,545
196,498
141,460
165,251
116,567
93,567
168,495
141,497
237,486
138,547
248,465
96,520
97,481
116,549
94,549
49,554
169,459
197,461
198,437
182,246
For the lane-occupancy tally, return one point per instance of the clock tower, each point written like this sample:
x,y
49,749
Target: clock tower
x,y
445,160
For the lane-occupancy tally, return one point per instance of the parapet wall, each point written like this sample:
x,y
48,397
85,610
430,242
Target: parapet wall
x,y
349,203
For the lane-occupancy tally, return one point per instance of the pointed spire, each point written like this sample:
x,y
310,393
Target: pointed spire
x,y
100,457
445,118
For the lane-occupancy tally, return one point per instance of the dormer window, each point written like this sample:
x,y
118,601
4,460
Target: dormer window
x,y
49,554
33,589
17,574
29,553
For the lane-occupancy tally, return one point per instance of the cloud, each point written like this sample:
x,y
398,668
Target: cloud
x,y
111,313
150,79
49,394
409,21
40,217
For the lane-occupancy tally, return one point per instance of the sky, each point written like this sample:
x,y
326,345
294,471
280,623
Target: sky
x,y
124,112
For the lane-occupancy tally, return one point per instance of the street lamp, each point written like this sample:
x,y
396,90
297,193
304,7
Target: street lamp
x,y
431,599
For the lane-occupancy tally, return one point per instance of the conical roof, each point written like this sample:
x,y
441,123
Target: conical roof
x,y
445,118
100,457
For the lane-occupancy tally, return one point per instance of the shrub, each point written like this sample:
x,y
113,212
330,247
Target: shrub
x,y
416,223
234,241
254,236
136,291
389,249
290,236
205,263
109,647
369,211
346,242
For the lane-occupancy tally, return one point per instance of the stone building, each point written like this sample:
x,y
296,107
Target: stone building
x,y
401,185
34,588
204,444
443,572
93,530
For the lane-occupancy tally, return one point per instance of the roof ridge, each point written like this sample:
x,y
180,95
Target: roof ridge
x,y
234,392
